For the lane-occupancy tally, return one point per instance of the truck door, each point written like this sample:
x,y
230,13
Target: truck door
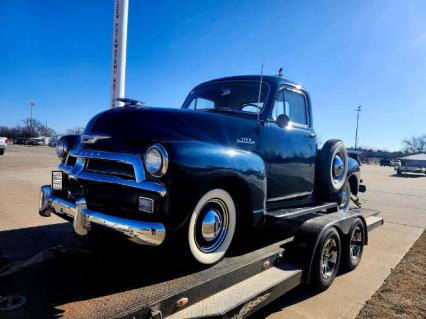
x,y
291,164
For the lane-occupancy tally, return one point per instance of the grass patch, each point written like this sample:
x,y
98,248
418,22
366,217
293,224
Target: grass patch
x,y
402,295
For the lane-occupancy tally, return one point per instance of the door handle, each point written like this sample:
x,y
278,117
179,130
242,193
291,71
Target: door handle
x,y
311,135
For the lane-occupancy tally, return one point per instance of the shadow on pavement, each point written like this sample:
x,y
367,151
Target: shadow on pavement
x,y
409,175
90,271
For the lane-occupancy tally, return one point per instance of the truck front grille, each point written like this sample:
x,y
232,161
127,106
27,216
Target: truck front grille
x,y
110,167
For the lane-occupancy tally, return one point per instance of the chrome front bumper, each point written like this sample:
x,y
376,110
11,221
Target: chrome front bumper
x,y
144,233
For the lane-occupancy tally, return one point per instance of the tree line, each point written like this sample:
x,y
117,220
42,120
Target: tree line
x,y
27,128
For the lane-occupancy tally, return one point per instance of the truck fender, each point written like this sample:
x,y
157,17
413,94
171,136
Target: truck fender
x,y
195,166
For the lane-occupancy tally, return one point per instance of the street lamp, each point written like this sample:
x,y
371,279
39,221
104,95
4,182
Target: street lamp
x,y
357,122
31,117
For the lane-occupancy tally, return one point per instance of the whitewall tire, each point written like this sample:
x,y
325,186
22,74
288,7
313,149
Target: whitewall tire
x,y
212,226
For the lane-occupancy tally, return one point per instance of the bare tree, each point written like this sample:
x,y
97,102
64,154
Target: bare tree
x,y
415,144
75,130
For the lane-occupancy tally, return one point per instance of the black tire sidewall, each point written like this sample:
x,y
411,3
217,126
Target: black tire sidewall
x,y
330,149
349,263
318,282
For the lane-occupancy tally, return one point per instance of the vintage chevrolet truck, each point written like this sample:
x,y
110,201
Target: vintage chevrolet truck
x,y
239,149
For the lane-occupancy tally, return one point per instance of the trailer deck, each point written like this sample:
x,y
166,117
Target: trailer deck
x,y
132,281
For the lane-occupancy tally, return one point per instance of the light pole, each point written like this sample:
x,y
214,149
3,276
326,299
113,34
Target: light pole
x,y
31,118
357,122
119,47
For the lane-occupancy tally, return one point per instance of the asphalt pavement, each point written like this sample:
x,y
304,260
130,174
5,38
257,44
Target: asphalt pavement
x,y
27,239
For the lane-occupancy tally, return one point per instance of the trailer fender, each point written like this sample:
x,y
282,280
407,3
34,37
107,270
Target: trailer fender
x,y
308,236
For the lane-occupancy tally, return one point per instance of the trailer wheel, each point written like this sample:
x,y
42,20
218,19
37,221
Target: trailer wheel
x,y
333,167
212,226
353,245
326,260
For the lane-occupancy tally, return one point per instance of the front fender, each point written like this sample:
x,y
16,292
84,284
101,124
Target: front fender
x,y
195,167
354,175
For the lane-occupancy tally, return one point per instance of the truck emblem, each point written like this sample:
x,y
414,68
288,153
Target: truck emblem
x,y
91,139
245,140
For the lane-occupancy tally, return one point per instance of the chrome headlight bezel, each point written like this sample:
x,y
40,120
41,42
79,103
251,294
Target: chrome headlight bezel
x,y
61,148
162,165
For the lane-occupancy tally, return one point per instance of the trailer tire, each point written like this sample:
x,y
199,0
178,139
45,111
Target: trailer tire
x,y
326,260
353,245
212,226
332,167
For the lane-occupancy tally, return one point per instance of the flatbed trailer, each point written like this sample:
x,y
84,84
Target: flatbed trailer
x,y
236,287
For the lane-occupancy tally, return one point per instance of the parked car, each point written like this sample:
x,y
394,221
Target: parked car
x,y
3,145
396,163
238,149
20,141
385,162
53,141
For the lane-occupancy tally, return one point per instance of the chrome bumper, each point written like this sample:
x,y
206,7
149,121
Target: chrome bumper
x,y
144,233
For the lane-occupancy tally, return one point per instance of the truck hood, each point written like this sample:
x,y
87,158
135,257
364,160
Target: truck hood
x,y
133,129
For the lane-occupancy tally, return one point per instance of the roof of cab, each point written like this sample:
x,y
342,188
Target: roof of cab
x,y
267,78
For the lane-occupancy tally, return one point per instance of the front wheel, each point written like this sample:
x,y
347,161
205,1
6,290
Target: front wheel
x,y
1,152
212,226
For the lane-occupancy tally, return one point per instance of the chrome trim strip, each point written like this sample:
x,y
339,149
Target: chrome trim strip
x,y
276,199
140,232
91,139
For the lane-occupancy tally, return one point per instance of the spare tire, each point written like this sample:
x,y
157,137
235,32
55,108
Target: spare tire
x,y
332,167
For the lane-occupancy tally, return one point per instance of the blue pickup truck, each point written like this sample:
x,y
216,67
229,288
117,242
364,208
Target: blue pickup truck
x,y
239,149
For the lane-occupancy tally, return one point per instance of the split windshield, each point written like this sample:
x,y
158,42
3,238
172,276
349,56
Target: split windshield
x,y
238,96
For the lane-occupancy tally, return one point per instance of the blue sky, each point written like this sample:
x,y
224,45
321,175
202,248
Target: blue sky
x,y
346,53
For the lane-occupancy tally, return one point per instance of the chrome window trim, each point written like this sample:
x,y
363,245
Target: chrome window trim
x,y
79,172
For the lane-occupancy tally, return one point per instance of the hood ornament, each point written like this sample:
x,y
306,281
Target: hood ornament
x,y
91,139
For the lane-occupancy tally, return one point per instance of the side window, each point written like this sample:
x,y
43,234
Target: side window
x,y
199,103
296,105
279,107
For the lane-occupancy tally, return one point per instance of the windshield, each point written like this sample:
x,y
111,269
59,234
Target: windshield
x,y
237,96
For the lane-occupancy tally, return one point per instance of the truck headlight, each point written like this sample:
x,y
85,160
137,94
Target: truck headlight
x,y
156,160
61,147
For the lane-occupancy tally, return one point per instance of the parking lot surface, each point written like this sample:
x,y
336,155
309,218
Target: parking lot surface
x,y
24,234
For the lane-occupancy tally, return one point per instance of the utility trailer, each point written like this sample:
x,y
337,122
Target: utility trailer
x,y
238,286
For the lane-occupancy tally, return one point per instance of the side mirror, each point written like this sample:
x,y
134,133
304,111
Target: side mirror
x,y
282,120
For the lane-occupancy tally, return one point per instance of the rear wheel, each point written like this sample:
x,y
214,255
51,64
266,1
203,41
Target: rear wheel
x,y
211,227
326,260
1,152
353,245
343,197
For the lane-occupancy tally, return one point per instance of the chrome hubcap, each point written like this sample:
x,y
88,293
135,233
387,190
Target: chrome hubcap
x,y
344,198
211,225
356,243
338,168
329,258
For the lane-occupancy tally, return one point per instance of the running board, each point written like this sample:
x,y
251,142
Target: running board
x,y
288,213
247,296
